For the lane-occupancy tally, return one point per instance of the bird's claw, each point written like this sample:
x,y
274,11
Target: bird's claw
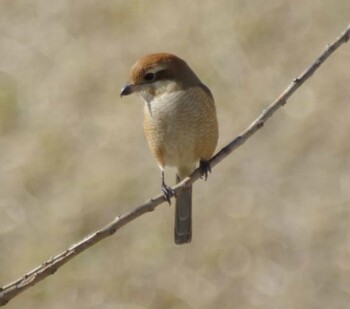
x,y
205,169
168,193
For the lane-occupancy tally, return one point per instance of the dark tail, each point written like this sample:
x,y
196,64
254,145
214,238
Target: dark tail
x,y
183,215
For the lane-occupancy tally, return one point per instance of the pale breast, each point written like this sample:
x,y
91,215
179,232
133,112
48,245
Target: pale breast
x,y
181,127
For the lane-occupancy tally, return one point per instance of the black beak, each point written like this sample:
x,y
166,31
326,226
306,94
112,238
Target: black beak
x,y
126,90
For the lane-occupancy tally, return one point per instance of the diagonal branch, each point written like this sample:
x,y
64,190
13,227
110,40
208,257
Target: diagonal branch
x,y
31,278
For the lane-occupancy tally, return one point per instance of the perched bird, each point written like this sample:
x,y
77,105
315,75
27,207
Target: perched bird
x,y
179,122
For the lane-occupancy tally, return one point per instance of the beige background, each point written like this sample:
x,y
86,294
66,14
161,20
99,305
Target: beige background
x,y
272,223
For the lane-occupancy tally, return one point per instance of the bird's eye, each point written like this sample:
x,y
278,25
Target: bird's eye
x,y
149,77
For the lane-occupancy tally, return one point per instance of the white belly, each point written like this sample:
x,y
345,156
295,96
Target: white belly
x,y
170,118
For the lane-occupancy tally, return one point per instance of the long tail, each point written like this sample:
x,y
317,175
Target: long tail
x,y
183,215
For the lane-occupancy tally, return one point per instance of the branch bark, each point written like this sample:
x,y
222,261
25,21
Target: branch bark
x,y
50,266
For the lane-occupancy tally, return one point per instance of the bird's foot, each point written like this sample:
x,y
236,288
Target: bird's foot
x,y
205,169
168,192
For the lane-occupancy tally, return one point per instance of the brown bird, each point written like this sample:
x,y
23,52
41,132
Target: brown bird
x,y
179,122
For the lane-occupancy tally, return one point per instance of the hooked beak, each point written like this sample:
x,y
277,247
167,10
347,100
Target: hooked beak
x,y
127,89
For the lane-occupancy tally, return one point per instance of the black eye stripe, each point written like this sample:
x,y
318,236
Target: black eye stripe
x,y
149,77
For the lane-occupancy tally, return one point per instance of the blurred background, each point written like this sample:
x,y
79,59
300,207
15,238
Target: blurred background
x,y
272,223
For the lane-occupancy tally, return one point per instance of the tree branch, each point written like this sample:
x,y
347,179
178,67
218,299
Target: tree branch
x,y
49,267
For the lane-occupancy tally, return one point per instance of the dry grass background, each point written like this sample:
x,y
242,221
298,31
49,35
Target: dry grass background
x,y
271,225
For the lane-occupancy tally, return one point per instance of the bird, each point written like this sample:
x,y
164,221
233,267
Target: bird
x,y
180,125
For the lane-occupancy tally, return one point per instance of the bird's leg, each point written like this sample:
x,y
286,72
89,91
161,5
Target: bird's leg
x,y
167,191
205,169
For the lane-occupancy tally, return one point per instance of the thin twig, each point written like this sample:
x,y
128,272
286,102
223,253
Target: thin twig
x,y
49,267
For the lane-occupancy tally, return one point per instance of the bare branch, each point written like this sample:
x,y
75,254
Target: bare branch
x,y
31,278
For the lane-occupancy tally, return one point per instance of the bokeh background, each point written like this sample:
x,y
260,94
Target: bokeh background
x,y
272,223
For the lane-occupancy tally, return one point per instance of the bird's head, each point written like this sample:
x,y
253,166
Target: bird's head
x,y
158,74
